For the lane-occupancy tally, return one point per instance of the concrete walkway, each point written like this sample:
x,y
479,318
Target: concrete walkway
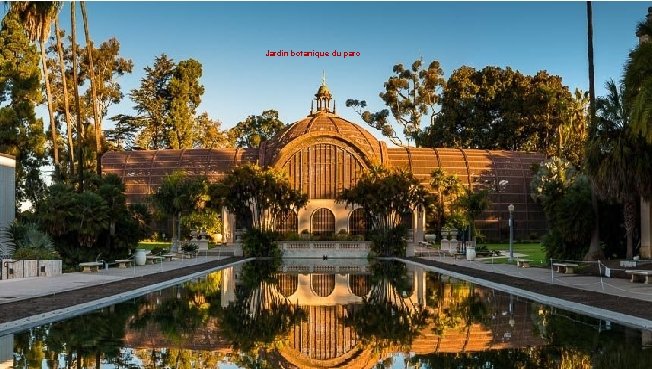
x,y
12,290
612,286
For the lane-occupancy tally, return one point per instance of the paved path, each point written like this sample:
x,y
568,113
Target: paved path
x,y
612,299
613,286
12,290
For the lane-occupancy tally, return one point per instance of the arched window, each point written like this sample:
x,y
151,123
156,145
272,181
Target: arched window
x,y
357,222
323,222
287,224
322,284
360,284
287,283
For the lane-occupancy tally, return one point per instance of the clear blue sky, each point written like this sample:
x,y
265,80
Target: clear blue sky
x,y
231,40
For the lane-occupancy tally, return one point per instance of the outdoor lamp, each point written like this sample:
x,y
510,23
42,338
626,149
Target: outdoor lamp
x,y
510,207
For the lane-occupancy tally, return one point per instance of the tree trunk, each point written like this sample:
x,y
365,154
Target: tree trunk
x,y
66,105
80,132
96,114
594,249
48,94
629,217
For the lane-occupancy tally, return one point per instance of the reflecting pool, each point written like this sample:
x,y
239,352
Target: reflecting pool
x,y
325,314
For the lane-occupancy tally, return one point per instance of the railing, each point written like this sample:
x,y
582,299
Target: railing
x,y
358,245
325,248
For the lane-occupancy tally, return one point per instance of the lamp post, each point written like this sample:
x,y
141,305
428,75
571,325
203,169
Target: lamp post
x,y
510,207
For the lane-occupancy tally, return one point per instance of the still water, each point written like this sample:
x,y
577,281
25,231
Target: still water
x,y
319,315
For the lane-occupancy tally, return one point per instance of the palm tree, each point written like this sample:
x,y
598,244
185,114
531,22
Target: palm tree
x,y
638,81
594,248
66,104
619,162
91,70
37,17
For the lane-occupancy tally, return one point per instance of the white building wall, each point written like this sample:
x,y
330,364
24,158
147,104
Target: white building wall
x,y
7,190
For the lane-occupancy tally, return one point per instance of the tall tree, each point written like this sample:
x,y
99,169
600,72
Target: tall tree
x,y
21,133
96,114
37,17
411,93
80,128
496,108
152,103
256,129
638,80
185,92
619,162
65,96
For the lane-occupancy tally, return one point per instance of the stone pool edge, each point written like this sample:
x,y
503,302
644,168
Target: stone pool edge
x,y
71,311
594,312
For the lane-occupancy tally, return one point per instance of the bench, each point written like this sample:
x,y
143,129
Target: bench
x,y
642,276
91,266
565,268
168,257
123,263
460,255
523,263
152,259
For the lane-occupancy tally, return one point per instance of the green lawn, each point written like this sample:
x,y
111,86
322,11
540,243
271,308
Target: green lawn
x,y
148,245
533,251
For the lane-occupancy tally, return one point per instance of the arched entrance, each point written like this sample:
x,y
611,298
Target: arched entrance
x,y
287,224
323,222
357,223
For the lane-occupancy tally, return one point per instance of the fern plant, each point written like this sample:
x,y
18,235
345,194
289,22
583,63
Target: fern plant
x,y
7,245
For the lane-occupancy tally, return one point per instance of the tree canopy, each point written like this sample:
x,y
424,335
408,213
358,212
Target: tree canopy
x,y
410,94
256,129
496,108
21,133
166,105
262,195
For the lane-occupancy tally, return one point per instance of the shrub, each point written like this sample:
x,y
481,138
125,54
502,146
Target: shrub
x,y
259,243
35,253
389,242
189,247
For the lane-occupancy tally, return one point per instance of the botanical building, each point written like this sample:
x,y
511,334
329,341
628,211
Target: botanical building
x,y
324,153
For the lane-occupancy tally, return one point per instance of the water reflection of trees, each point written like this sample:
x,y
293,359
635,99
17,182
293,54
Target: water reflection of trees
x,y
259,310
571,341
84,341
387,315
183,311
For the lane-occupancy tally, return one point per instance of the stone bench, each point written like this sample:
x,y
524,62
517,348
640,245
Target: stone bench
x,y
91,266
153,259
123,263
169,257
460,255
565,268
523,263
642,276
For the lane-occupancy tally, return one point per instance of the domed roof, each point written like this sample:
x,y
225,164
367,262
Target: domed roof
x,y
320,127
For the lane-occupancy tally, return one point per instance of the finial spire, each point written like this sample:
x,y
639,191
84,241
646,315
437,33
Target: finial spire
x,y
323,78
323,96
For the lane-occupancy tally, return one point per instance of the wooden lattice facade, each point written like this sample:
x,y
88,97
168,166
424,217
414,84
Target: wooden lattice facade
x,y
324,153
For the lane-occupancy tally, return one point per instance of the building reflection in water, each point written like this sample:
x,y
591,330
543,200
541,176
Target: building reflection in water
x,y
321,314
460,317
